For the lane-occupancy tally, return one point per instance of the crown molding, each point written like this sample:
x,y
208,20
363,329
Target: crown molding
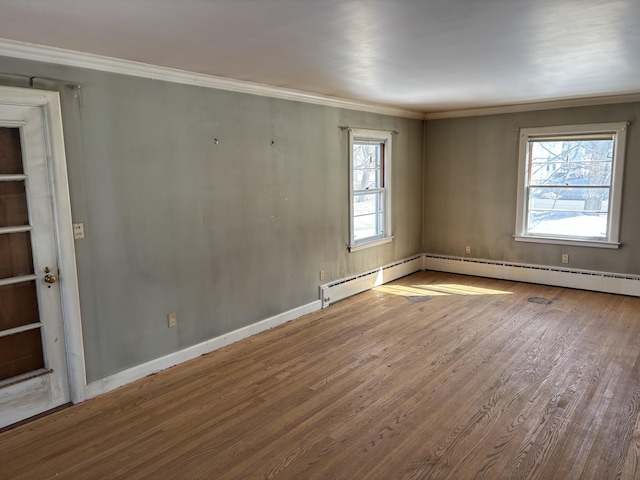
x,y
71,58
530,107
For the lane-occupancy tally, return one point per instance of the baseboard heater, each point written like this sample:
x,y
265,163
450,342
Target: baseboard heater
x,y
346,287
618,283
557,276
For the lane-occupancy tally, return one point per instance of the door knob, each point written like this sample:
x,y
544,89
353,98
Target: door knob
x,y
50,278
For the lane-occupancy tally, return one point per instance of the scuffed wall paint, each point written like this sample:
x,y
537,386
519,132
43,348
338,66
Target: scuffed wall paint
x,y
224,234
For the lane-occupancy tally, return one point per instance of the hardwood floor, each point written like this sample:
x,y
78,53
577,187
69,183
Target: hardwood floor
x,y
435,376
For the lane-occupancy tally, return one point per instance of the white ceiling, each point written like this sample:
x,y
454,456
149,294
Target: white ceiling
x,y
427,56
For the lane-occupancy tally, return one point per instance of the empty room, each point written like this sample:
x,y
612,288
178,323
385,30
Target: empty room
x,y
391,239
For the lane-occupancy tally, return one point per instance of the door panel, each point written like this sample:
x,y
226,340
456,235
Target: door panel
x,y
19,305
13,204
10,151
33,370
16,255
21,353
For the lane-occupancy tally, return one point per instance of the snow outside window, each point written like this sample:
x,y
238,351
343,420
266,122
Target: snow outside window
x,y
570,181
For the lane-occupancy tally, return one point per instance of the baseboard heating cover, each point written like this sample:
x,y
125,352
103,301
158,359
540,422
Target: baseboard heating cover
x,y
345,287
562,277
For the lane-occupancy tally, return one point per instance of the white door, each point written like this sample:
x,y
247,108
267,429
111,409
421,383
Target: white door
x,y
33,365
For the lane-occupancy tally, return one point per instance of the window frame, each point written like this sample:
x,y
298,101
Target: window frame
x,y
618,131
384,138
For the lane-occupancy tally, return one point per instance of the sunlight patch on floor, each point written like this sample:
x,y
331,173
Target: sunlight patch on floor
x,y
437,290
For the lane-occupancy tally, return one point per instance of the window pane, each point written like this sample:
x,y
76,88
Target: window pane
x,y
566,173
367,226
366,178
13,204
366,155
367,204
569,199
367,166
576,212
571,162
368,215
569,224
368,159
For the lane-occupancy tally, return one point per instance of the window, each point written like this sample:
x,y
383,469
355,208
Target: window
x,y
570,182
369,185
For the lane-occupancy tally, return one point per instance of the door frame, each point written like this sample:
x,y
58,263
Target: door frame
x,y
49,103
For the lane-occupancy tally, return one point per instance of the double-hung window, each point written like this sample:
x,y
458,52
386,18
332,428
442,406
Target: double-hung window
x,y
570,184
370,192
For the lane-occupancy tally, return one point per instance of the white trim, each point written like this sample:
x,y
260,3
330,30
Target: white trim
x,y
371,243
12,178
71,58
23,328
69,287
535,106
381,137
561,241
13,280
25,376
12,123
607,282
28,97
21,229
618,132
138,372
50,104
345,287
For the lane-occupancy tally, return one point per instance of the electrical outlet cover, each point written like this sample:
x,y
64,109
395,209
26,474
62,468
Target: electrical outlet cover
x,y
78,231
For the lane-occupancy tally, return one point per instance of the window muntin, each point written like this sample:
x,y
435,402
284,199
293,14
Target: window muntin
x,y
370,154
570,182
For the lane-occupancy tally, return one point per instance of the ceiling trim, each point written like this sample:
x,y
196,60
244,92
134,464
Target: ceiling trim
x,y
71,58
530,107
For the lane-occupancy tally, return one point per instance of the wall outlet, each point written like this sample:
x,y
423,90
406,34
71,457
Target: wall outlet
x,y
467,249
172,319
321,274
565,258
78,231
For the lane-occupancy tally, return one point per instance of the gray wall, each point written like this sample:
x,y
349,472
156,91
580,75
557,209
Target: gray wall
x,y
225,235
471,168
230,234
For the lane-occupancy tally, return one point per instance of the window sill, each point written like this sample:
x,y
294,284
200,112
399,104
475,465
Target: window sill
x,y
566,241
372,243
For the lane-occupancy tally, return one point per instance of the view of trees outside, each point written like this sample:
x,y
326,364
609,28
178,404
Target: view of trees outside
x,y
569,183
368,202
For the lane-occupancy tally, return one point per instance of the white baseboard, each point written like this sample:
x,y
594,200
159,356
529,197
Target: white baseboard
x,y
618,283
354,284
363,282
120,379
563,277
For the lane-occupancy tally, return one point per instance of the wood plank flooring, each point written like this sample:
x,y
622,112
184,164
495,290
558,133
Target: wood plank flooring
x,y
435,376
